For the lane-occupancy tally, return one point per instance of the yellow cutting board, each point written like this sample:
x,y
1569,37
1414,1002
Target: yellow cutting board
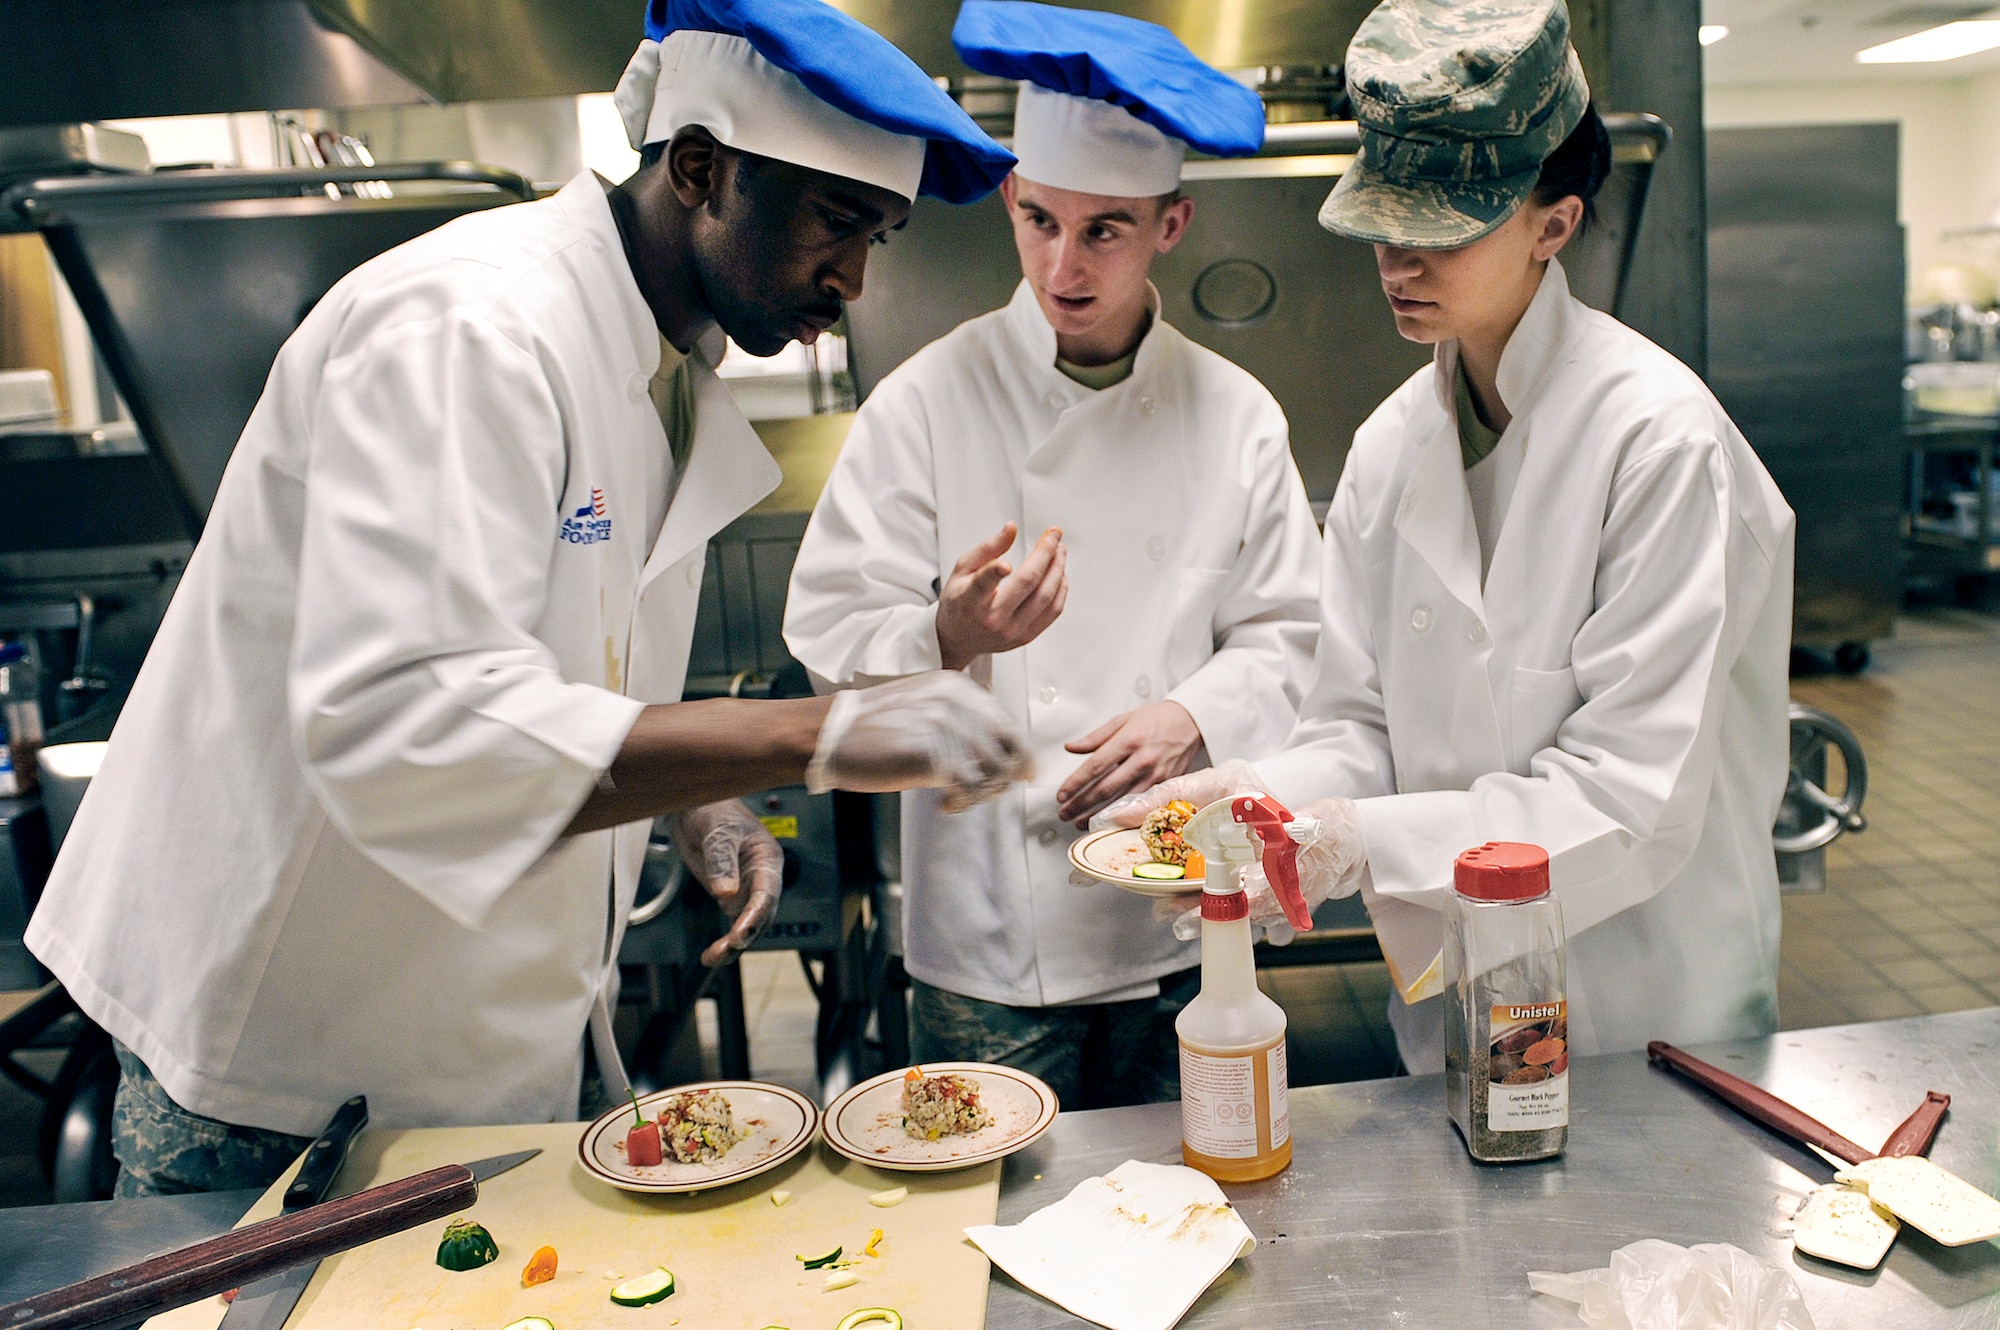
x,y
731,1250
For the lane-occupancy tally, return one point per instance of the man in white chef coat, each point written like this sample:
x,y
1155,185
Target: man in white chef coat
x,y
374,815
1161,614
1556,596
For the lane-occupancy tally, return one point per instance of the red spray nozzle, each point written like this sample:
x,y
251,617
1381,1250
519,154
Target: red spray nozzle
x,y
1268,818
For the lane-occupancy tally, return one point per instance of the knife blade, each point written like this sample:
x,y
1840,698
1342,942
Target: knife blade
x,y
265,1304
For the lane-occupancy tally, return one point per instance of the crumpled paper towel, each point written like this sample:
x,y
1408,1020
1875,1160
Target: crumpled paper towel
x,y
1130,1251
1655,1285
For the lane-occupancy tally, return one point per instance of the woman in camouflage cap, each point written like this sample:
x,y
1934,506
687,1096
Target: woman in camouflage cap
x,y
1556,595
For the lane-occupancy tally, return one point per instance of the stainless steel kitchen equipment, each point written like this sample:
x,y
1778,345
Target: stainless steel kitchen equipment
x,y
1256,280
1806,354
1812,817
236,256
1382,1220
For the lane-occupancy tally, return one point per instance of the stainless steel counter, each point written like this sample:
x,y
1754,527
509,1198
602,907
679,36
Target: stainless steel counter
x,y
1383,1221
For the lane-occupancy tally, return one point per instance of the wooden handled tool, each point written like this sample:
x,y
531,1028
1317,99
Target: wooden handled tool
x,y
161,1283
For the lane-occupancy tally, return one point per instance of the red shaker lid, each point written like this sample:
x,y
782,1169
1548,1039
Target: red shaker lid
x,y
1502,871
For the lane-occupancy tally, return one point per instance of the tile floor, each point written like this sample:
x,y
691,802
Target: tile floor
x,y
1909,923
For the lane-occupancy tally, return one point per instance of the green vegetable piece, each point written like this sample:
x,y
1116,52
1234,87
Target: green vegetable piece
x,y
638,1118
1159,872
884,1316
825,1258
531,1323
467,1246
646,1289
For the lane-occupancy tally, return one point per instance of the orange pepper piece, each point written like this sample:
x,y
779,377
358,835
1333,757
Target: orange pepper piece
x,y
1196,865
541,1267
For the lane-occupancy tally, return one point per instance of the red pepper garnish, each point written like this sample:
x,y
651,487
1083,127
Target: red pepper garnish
x,y
642,1144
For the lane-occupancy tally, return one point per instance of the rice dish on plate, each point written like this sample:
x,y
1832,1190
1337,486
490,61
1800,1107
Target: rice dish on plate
x,y
697,1127
938,1106
1162,831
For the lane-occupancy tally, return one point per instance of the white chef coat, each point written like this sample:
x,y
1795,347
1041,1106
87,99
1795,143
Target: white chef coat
x,y
1192,578
323,855
1616,693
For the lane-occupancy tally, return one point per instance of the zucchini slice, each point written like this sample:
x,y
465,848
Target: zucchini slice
x,y
531,1323
646,1289
825,1258
887,1317
1159,872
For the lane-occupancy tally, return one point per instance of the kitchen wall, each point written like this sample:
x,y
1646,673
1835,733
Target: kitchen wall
x,y
1950,173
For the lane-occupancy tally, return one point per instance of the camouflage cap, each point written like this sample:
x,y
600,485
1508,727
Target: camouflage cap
x,y
1460,101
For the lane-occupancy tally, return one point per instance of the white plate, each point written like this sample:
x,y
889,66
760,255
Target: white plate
x,y
866,1123
781,1124
1109,856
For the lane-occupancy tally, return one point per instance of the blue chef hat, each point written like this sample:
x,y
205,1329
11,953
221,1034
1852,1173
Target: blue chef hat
x,y
1109,104
802,82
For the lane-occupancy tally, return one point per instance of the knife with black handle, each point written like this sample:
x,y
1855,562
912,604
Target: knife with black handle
x,y
265,1304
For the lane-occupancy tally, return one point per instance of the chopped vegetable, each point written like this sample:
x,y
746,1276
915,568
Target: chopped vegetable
x,y
541,1267
893,1196
531,1323
466,1246
1197,863
642,1143
885,1316
841,1279
824,1258
1159,872
646,1289
781,1197
874,1241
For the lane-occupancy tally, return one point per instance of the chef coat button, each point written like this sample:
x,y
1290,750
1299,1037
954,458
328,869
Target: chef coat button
x,y
1143,686
637,387
694,575
1156,549
1475,632
1047,836
1147,406
1420,619
1048,693
1055,401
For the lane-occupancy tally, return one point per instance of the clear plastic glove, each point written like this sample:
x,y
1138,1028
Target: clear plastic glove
x,y
1328,868
937,730
1200,788
732,854
1655,1285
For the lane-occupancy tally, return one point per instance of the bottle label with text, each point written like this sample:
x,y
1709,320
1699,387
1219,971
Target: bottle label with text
x,y
1234,1107
1528,1067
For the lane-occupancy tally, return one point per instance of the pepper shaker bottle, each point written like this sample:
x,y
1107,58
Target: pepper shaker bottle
x,y
1506,1007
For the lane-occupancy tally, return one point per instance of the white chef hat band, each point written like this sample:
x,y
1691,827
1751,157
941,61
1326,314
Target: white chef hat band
x,y
719,81
1091,146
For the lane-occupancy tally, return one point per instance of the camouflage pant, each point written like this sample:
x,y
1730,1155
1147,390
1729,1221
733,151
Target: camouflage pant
x,y
1101,1055
164,1150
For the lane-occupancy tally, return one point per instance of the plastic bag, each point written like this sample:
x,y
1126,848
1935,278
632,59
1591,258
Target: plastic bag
x,y
1655,1285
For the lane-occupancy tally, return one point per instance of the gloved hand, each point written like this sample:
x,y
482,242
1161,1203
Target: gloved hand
x,y
936,730
1328,868
732,854
1200,788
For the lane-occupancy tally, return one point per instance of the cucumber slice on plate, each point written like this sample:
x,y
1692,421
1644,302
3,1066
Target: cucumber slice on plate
x,y
646,1289
887,1317
1159,872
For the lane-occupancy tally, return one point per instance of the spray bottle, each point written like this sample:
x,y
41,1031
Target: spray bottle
x,y
1234,1123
